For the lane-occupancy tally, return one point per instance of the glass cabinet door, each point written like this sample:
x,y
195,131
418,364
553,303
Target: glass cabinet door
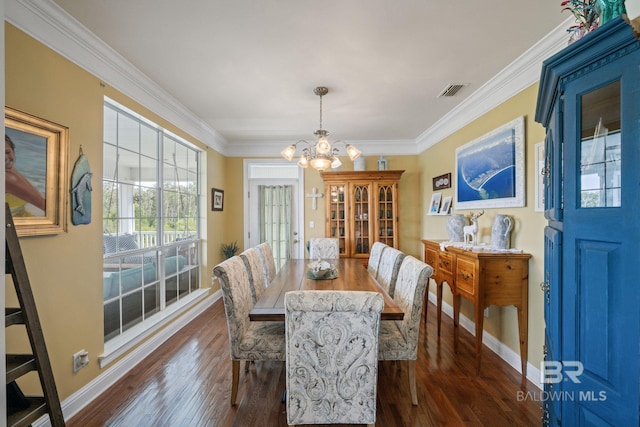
x,y
337,215
361,221
386,215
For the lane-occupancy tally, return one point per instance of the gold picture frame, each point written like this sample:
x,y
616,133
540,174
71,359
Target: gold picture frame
x,y
37,169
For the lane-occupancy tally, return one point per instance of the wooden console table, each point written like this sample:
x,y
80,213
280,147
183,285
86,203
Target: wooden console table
x,y
484,278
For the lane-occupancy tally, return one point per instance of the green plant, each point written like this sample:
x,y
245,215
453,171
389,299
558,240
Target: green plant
x,y
229,249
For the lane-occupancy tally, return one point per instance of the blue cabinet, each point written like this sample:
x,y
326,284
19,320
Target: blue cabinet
x,y
589,103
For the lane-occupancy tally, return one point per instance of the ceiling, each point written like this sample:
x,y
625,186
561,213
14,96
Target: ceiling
x,y
248,68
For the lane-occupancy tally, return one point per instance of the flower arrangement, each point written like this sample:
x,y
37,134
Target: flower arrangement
x,y
229,249
586,17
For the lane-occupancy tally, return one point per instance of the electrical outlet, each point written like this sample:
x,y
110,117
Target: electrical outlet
x,y
80,360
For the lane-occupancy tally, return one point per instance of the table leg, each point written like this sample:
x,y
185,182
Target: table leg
x,y
439,298
523,330
456,316
479,314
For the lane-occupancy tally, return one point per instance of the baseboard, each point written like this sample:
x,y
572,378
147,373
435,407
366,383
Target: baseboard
x,y
81,398
494,344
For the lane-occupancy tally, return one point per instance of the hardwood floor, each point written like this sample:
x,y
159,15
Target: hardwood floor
x,y
187,382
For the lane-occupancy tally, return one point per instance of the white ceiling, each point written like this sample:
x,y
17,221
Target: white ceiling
x,y
248,67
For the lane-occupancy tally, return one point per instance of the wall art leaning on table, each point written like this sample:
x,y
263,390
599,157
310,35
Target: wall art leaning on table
x,y
490,169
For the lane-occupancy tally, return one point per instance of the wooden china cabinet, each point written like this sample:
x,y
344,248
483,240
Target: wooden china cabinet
x,y
361,207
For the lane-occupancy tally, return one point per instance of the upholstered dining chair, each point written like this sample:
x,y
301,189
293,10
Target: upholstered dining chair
x,y
398,339
249,341
324,248
374,258
390,262
332,356
268,262
257,282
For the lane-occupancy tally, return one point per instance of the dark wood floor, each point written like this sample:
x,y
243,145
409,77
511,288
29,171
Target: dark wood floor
x,y
187,382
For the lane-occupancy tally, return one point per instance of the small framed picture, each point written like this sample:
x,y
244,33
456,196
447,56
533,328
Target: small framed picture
x,y
217,199
434,207
446,205
442,181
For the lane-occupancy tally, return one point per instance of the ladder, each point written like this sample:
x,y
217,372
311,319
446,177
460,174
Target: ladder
x,y
21,364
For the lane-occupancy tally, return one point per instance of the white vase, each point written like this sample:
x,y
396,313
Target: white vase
x,y
455,224
500,232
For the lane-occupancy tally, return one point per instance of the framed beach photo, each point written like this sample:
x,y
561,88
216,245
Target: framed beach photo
x,y
217,199
490,169
446,205
36,187
434,206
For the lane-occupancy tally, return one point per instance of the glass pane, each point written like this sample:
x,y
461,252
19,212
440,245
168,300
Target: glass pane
x,y
110,126
131,310
128,166
600,148
111,319
149,141
128,133
151,299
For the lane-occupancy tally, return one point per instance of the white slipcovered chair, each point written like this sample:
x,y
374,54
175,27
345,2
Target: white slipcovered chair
x,y
249,341
324,248
252,262
390,262
332,356
398,339
374,258
268,262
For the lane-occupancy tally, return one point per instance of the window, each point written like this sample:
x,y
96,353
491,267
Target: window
x,y
151,216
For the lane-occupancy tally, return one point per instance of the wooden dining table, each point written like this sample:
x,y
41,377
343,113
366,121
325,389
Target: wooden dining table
x,y
352,276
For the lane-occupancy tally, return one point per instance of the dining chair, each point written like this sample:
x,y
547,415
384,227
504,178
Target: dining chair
x,y
268,262
324,248
252,263
399,338
248,341
390,262
374,258
332,356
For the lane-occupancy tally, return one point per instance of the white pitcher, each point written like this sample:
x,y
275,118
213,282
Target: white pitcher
x,y
500,232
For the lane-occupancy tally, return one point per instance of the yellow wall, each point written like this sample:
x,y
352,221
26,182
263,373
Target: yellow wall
x,y
527,233
65,270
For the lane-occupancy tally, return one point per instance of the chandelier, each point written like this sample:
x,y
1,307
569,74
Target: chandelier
x,y
321,155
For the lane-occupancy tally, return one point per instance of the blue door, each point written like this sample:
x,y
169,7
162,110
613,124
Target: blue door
x,y
600,321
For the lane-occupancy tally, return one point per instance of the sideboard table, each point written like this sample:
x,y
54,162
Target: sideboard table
x,y
485,278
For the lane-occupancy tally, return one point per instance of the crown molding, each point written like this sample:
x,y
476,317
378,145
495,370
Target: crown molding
x,y
514,78
48,23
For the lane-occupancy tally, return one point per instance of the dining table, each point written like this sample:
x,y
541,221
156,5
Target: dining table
x,y
350,275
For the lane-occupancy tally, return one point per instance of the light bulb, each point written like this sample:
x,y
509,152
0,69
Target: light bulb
x,y
320,163
323,146
288,152
303,162
353,152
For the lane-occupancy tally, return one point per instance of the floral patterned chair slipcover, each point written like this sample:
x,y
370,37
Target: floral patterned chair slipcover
x,y
268,262
324,248
390,261
398,339
252,262
247,340
374,258
332,356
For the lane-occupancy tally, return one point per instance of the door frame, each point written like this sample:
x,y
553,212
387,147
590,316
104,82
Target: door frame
x,y
277,163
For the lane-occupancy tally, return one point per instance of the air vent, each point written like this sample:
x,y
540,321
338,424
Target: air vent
x,y
452,89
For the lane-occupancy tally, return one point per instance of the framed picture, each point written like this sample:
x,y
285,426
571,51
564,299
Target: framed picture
x,y
36,187
539,150
446,205
442,181
435,203
217,199
490,169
